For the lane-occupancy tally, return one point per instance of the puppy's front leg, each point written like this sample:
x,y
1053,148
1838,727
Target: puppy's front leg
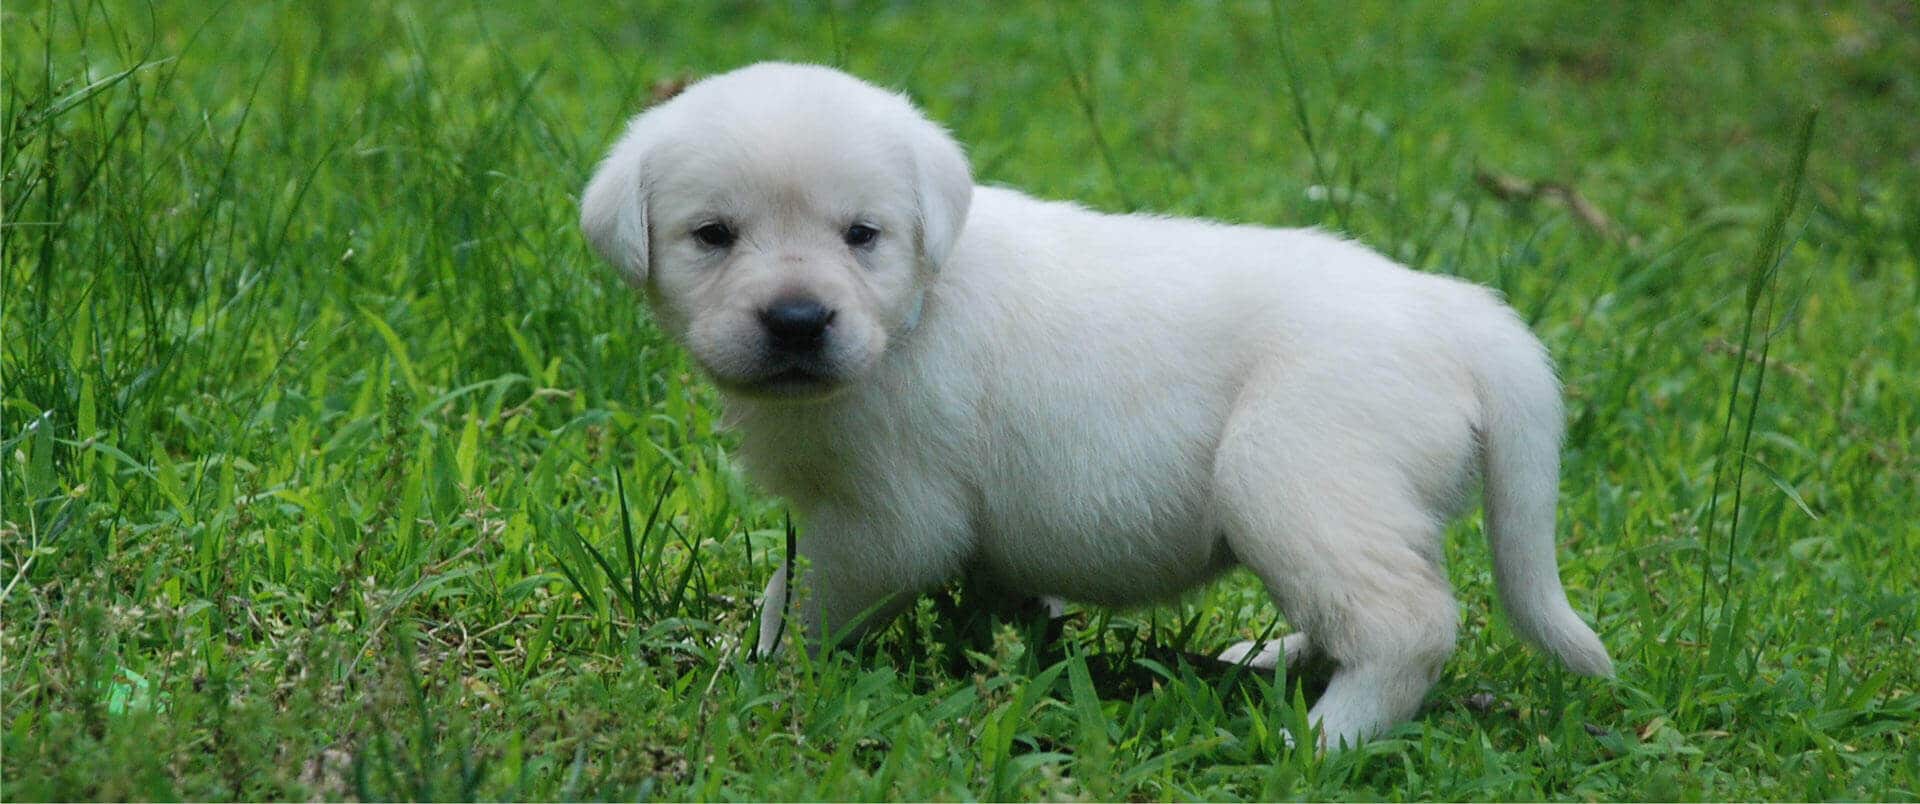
x,y
832,600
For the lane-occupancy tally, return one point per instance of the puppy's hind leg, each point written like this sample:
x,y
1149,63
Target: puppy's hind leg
x,y
1348,551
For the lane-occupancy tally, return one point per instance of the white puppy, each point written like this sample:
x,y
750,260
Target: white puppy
x,y
949,379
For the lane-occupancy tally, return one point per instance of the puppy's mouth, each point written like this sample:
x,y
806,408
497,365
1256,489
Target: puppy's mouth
x,y
792,382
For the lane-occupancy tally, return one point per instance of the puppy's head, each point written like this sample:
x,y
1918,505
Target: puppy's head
x,y
783,220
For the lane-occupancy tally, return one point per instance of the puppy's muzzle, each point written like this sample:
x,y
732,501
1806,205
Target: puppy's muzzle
x,y
796,327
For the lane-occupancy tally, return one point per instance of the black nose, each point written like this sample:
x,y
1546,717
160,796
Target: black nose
x,y
796,323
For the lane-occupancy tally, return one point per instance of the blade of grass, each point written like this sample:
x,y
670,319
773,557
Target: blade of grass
x,y
1762,273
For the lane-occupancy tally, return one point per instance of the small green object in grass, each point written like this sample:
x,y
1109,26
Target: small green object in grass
x,y
131,691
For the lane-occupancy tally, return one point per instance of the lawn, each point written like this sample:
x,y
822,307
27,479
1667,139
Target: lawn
x,y
332,464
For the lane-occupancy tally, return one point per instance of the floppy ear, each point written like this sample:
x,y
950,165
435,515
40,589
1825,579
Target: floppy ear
x,y
945,190
613,209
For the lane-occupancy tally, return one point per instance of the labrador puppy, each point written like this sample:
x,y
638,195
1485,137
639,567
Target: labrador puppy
x,y
943,378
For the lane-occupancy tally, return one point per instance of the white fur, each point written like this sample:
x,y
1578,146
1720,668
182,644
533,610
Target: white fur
x,y
1109,409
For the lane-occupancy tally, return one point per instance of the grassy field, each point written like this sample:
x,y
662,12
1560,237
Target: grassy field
x,y
334,466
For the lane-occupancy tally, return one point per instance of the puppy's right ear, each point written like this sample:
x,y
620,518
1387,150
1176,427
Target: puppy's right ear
x,y
944,184
613,210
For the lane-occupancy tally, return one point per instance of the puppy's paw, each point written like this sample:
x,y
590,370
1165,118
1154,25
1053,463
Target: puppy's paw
x,y
1260,656
1054,607
773,617
1292,649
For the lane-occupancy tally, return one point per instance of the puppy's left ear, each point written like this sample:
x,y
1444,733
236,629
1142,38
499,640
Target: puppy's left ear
x,y
945,191
613,209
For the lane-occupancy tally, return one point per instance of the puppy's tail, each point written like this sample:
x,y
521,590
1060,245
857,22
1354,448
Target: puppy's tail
x,y
1520,429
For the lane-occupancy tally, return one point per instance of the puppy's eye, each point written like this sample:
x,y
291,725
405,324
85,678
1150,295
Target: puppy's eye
x,y
714,235
860,234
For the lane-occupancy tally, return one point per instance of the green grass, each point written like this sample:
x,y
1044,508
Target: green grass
x,y
332,465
